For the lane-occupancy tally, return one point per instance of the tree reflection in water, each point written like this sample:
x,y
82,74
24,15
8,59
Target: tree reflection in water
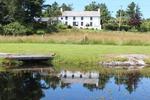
x,y
26,86
30,86
130,80
20,86
103,79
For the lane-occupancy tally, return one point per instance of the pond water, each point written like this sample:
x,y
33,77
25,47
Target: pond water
x,y
67,85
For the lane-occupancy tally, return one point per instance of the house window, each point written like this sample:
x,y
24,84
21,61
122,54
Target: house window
x,y
91,24
66,23
81,23
61,18
91,18
66,18
81,18
75,24
74,18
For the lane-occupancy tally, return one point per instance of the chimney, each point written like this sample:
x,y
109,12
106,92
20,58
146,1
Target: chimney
x,y
61,9
99,10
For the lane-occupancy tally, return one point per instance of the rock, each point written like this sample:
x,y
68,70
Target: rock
x,y
134,60
140,63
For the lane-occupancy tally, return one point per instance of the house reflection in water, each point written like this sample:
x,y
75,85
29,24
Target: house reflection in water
x,y
79,77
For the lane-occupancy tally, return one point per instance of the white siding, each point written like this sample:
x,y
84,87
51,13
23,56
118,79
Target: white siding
x,y
86,20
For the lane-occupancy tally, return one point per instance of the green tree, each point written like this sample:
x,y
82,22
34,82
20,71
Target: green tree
x,y
145,26
131,10
66,7
104,12
134,15
121,17
93,6
53,10
121,13
3,12
32,8
22,10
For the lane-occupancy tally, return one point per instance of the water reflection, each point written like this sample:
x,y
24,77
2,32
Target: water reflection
x,y
130,81
36,86
24,86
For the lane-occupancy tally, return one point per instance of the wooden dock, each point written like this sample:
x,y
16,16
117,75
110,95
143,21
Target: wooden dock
x,y
26,57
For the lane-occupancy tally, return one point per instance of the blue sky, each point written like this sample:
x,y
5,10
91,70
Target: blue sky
x,y
113,5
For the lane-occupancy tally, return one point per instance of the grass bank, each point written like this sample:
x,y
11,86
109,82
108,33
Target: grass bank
x,y
73,54
77,57
84,37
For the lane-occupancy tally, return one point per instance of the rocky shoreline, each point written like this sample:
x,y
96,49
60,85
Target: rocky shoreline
x,y
133,61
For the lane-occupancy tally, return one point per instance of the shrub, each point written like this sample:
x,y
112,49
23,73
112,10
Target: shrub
x,y
15,28
133,29
113,27
62,26
39,25
125,27
52,28
1,29
145,26
40,32
69,26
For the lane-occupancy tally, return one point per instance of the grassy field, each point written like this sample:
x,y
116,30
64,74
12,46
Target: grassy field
x,y
71,53
80,50
84,37
76,57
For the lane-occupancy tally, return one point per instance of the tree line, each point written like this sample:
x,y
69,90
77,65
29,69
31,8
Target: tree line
x,y
17,17
128,20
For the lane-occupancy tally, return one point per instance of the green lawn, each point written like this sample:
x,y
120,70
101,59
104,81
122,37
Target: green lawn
x,y
75,57
71,50
72,54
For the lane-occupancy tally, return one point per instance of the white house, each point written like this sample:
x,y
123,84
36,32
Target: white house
x,y
81,19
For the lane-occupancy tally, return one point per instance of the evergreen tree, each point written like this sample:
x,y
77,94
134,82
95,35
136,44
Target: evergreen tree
x,y
93,6
21,10
135,20
3,12
66,7
104,12
131,10
53,10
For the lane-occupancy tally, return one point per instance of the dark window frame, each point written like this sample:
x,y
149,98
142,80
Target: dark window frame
x,y
75,24
91,18
81,23
74,18
91,23
66,23
66,17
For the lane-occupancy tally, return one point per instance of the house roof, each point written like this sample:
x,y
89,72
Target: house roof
x,y
41,19
44,19
81,13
